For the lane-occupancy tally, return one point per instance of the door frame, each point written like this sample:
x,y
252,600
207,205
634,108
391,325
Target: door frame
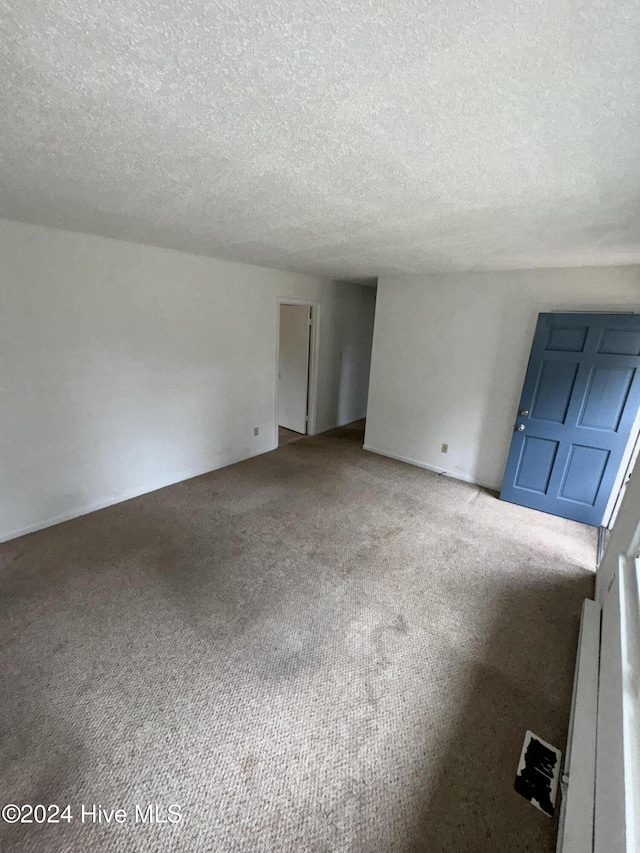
x,y
628,463
314,351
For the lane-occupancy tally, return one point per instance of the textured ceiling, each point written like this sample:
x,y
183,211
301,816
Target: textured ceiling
x,y
349,139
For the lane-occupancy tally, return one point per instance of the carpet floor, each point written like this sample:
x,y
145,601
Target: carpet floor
x,y
286,436
318,649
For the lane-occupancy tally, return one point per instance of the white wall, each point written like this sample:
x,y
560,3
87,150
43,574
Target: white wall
x,y
125,368
450,353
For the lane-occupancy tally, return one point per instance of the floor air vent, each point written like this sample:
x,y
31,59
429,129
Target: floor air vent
x,y
538,773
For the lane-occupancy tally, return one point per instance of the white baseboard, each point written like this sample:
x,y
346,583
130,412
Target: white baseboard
x,y
103,503
455,475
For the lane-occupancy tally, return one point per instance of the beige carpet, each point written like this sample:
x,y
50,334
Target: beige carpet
x,y
318,649
286,436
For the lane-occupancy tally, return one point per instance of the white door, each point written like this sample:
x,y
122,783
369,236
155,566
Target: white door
x,y
293,367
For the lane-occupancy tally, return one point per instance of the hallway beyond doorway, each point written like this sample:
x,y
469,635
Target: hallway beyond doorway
x,y
286,436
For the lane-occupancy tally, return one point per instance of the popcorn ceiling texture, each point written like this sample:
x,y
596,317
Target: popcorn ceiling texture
x,y
350,140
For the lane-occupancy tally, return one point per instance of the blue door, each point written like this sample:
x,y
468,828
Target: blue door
x,y
579,402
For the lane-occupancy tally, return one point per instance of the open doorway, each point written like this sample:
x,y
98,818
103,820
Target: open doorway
x,y
296,369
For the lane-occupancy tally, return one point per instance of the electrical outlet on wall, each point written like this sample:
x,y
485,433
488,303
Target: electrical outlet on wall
x,y
445,448
256,431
